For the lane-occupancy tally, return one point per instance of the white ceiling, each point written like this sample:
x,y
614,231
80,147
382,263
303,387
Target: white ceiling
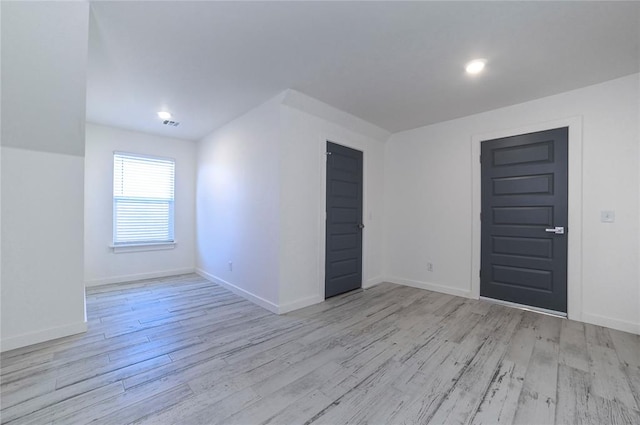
x,y
397,65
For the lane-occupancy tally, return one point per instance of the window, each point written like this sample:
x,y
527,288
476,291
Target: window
x,y
143,189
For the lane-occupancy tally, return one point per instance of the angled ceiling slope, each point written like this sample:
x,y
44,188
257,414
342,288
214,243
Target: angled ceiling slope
x,y
398,65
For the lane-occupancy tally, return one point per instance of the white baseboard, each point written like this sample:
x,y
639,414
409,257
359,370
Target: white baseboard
x,y
466,293
19,341
609,322
296,305
274,308
373,282
137,276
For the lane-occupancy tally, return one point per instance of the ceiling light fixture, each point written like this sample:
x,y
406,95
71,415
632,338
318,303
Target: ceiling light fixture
x,y
164,115
475,66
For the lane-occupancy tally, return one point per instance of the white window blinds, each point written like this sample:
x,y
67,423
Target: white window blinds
x,y
142,199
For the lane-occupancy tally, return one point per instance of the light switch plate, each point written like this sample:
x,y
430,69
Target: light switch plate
x,y
607,216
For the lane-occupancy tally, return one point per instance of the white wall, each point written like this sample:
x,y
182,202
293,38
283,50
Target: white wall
x,y
44,59
0,178
261,200
303,204
429,193
42,290
238,200
102,264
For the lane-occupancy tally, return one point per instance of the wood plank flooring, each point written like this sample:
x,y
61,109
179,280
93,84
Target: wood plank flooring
x,y
183,350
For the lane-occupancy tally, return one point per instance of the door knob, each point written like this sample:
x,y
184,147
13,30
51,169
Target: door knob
x,y
557,230
360,226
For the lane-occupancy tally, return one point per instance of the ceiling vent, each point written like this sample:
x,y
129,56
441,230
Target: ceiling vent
x,y
171,123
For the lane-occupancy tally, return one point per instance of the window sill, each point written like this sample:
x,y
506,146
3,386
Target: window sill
x,y
141,247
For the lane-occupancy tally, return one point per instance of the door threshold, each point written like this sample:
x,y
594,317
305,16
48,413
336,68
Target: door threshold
x,y
526,307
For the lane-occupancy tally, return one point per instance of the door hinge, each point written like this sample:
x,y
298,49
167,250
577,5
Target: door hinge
x,y
480,273
480,216
480,159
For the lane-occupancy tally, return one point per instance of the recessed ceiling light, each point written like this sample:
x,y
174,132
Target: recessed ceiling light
x,y
475,66
164,115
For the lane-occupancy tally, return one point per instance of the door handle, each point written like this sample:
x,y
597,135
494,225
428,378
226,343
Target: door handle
x,y
557,230
360,226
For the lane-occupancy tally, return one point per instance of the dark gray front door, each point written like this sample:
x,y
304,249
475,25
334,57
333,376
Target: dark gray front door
x,y
524,219
343,264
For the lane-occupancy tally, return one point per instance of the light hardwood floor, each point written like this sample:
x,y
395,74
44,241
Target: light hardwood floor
x,y
183,350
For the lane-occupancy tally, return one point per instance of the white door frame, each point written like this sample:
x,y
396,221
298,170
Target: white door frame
x,y
574,225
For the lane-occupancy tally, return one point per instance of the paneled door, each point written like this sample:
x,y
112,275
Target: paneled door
x,y
343,258
524,219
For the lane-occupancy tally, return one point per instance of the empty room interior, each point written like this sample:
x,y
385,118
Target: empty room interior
x,y
320,212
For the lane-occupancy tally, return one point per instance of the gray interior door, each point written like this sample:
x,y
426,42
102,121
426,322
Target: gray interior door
x,y
524,219
343,264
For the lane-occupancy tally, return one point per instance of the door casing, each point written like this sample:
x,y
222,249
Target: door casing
x,y
574,238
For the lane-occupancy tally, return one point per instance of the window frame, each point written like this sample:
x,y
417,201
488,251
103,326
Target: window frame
x,y
136,246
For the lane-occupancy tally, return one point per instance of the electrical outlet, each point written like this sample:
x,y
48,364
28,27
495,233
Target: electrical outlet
x,y
230,266
429,267
607,216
